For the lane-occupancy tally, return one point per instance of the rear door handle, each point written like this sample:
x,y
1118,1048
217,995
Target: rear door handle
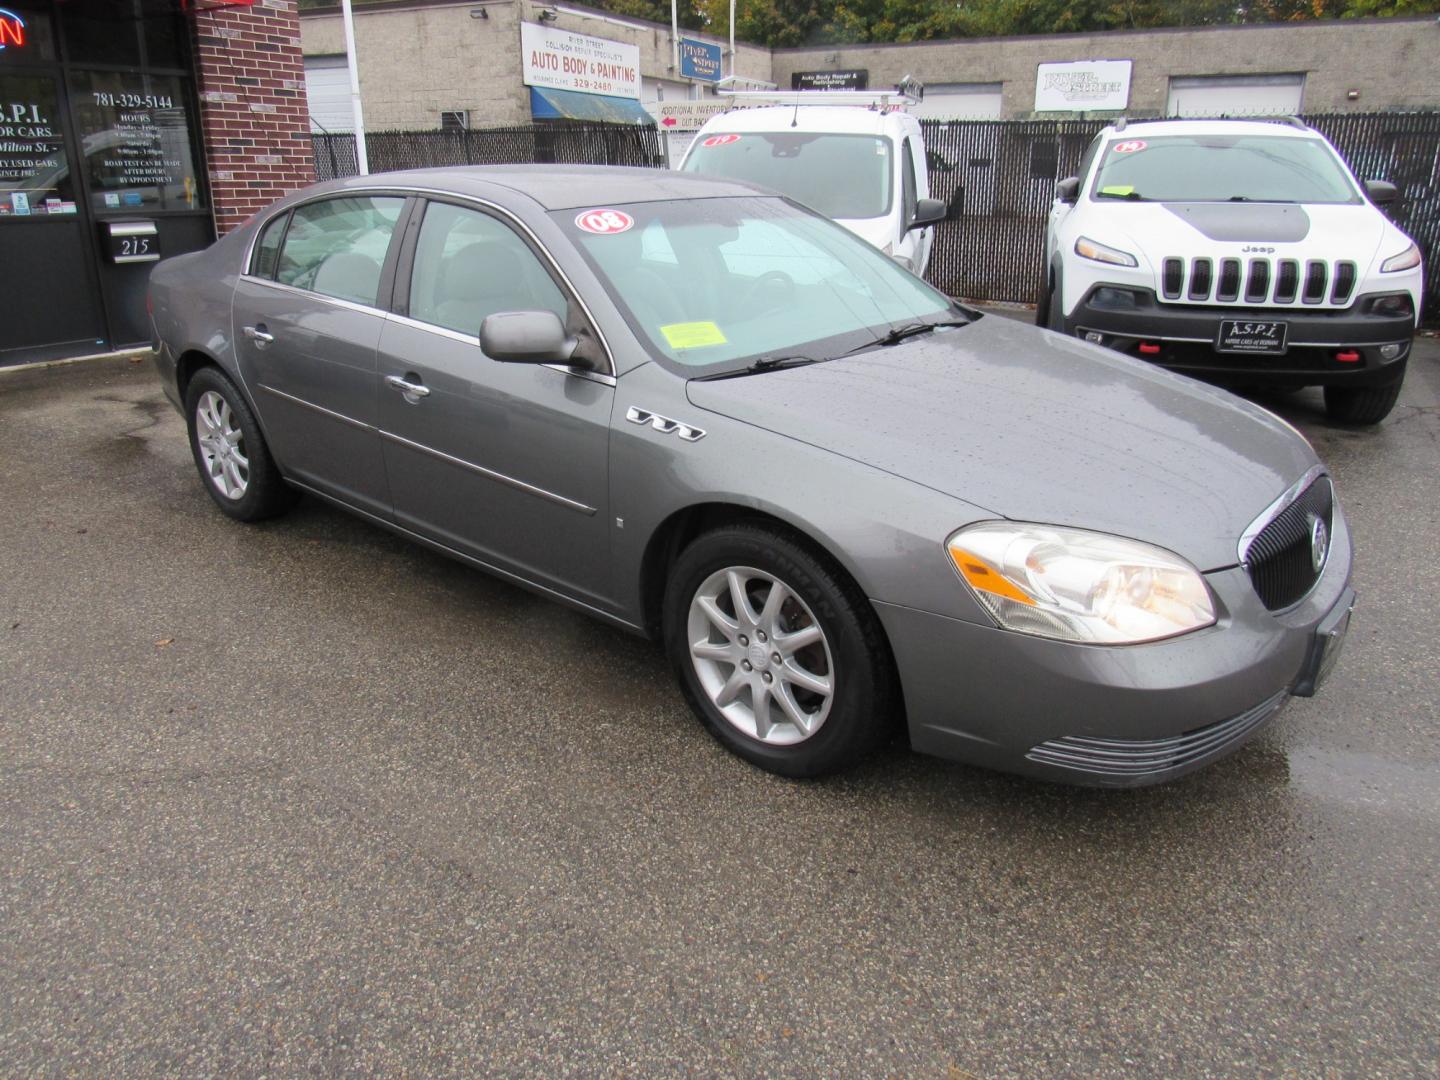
x,y
409,389
258,335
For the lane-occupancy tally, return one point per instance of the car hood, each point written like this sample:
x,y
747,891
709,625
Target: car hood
x,y
1028,425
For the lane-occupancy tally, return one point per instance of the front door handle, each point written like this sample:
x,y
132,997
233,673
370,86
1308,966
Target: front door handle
x,y
258,335
409,389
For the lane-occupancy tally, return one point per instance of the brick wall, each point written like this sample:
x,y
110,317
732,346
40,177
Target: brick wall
x,y
253,115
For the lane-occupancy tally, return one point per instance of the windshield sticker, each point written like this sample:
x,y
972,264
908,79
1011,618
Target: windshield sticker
x,y
692,335
1129,146
720,140
1118,189
604,222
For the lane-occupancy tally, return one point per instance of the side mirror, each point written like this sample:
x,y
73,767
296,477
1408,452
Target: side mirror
x,y
1068,190
526,337
927,212
1381,192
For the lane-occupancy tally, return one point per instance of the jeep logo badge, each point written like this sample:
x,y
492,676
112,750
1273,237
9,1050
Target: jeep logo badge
x,y
1319,542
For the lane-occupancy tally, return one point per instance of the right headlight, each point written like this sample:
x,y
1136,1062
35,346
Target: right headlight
x,y
1080,586
1098,252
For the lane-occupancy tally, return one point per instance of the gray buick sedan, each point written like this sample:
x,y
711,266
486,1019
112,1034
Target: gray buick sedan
x,y
846,505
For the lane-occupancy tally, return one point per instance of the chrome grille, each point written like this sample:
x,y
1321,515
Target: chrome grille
x,y
1257,281
1135,760
1279,558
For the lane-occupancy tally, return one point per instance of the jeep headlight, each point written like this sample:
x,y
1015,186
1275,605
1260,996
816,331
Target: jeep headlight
x,y
1090,249
1406,260
1080,586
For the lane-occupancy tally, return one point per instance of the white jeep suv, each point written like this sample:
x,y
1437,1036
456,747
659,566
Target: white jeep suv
x,y
1237,250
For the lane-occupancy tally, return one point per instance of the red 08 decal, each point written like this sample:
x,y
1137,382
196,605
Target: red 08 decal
x,y
720,140
604,222
1130,146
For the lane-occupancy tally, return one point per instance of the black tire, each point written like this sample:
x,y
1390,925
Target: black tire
x,y
265,493
1361,404
863,702
1043,300
1054,306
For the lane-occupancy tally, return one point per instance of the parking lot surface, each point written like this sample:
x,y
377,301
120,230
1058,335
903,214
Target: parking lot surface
x,y
306,798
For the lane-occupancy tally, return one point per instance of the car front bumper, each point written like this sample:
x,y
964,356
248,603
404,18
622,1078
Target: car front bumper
x,y
1315,340
1116,716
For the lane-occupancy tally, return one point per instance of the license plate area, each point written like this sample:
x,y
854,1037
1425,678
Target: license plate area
x,y
1325,648
1251,336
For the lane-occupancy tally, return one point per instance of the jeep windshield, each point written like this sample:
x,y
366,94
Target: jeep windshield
x,y
1222,168
713,285
840,176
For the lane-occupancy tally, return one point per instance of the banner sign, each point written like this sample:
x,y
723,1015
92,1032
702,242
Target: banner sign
x,y
685,115
854,79
561,60
699,60
1082,86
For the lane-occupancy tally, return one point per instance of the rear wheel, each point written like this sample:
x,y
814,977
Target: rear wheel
x,y
230,453
1361,404
778,654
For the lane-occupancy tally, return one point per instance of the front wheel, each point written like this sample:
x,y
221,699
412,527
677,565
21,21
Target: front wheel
x,y
778,654
1361,404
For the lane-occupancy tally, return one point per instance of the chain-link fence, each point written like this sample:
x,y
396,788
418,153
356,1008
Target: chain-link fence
x,y
999,179
570,144
997,175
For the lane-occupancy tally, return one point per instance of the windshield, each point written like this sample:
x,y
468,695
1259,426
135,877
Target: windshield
x,y
711,284
840,176
1220,168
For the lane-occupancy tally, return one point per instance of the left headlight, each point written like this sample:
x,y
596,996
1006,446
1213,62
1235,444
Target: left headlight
x,y
1406,260
1080,586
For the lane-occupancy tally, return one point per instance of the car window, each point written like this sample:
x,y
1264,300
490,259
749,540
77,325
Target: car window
x,y
706,282
840,176
267,249
469,265
1222,168
337,247
1088,159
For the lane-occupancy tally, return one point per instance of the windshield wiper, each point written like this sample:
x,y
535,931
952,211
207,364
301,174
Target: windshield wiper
x,y
1247,198
899,333
1129,196
763,363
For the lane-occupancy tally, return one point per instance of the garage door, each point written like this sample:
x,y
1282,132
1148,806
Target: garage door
x,y
959,101
1236,95
327,86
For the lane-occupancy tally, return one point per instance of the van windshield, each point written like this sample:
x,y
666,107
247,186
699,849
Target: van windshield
x,y
1222,168
840,176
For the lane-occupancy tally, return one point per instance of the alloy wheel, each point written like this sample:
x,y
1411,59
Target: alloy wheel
x,y
222,446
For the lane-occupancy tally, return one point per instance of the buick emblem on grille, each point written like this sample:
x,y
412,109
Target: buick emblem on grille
x,y
1319,542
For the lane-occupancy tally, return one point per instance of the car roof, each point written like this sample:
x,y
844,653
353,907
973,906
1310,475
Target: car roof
x,y
558,187
831,119
1277,125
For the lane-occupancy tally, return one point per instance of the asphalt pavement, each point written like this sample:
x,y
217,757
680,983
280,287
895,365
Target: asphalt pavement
x,y
302,798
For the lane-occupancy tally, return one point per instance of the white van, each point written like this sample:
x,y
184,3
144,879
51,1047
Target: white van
x,y
1240,250
847,154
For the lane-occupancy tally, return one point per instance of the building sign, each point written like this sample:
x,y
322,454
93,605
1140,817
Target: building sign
x,y
35,175
135,136
561,60
12,30
686,115
699,60
854,79
1082,86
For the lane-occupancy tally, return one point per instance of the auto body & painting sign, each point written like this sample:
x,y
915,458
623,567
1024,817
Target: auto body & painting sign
x,y
1082,86
561,60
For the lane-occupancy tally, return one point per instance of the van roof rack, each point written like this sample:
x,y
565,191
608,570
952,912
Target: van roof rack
x,y
909,92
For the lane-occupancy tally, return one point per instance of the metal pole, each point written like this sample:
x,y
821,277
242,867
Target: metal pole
x,y
674,38
356,112
732,40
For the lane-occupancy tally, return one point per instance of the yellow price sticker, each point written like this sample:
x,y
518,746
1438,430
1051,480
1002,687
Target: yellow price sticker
x,y
692,335
1118,189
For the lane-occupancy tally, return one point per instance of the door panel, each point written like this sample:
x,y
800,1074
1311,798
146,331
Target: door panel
x,y
505,462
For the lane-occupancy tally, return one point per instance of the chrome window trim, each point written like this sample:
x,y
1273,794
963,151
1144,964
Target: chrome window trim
x,y
571,504
474,342
1276,508
316,408
439,195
